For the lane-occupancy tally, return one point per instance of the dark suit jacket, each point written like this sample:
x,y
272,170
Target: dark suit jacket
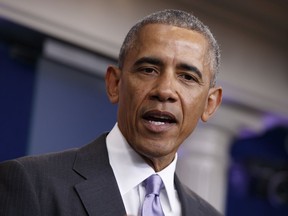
x,y
74,182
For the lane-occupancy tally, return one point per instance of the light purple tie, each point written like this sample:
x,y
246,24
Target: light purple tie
x,y
151,205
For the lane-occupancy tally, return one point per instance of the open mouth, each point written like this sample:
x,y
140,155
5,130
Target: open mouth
x,y
159,117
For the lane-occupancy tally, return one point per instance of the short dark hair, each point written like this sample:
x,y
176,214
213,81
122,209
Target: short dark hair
x,y
180,19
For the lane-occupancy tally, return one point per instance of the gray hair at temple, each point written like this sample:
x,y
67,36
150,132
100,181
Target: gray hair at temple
x,y
179,19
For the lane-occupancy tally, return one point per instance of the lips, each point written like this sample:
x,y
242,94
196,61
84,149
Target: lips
x,y
159,117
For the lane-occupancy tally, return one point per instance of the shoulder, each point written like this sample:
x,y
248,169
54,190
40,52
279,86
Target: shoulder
x,y
62,160
50,164
28,181
38,180
34,166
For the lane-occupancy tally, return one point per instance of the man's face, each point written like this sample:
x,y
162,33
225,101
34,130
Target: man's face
x,y
162,90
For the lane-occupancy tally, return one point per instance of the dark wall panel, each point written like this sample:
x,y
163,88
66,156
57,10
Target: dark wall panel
x,y
17,76
71,108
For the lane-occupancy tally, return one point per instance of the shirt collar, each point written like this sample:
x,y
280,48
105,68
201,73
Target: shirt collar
x,y
130,169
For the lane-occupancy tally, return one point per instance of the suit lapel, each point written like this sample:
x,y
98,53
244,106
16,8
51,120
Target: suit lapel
x,y
99,191
188,204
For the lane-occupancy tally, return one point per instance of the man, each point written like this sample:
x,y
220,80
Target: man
x,y
164,83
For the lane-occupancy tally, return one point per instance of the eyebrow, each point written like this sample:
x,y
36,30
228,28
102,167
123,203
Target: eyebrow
x,y
191,68
158,62
149,60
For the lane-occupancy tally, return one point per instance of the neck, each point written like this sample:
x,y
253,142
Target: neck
x,y
158,164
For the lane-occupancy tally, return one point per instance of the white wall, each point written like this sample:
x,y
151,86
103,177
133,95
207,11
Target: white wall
x,y
253,71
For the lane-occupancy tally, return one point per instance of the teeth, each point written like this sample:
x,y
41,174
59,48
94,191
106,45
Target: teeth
x,y
157,122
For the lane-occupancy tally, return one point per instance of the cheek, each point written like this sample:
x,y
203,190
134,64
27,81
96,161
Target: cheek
x,y
193,107
131,95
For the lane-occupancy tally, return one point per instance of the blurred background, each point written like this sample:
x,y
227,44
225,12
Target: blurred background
x,y
53,57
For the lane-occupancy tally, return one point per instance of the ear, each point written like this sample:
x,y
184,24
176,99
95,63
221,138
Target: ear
x,y
213,102
112,80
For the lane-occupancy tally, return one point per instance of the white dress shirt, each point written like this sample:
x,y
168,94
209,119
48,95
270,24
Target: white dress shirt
x,y
131,170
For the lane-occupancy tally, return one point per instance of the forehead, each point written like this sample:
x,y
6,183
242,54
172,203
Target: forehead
x,y
170,37
169,42
164,29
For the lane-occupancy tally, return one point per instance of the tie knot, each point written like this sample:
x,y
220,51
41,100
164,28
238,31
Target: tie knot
x,y
153,184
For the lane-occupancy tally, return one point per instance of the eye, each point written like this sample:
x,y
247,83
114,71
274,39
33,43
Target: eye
x,y
188,77
147,70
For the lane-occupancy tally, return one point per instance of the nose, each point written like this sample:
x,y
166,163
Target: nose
x,y
164,88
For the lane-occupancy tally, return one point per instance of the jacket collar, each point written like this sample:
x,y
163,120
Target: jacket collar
x,y
99,187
